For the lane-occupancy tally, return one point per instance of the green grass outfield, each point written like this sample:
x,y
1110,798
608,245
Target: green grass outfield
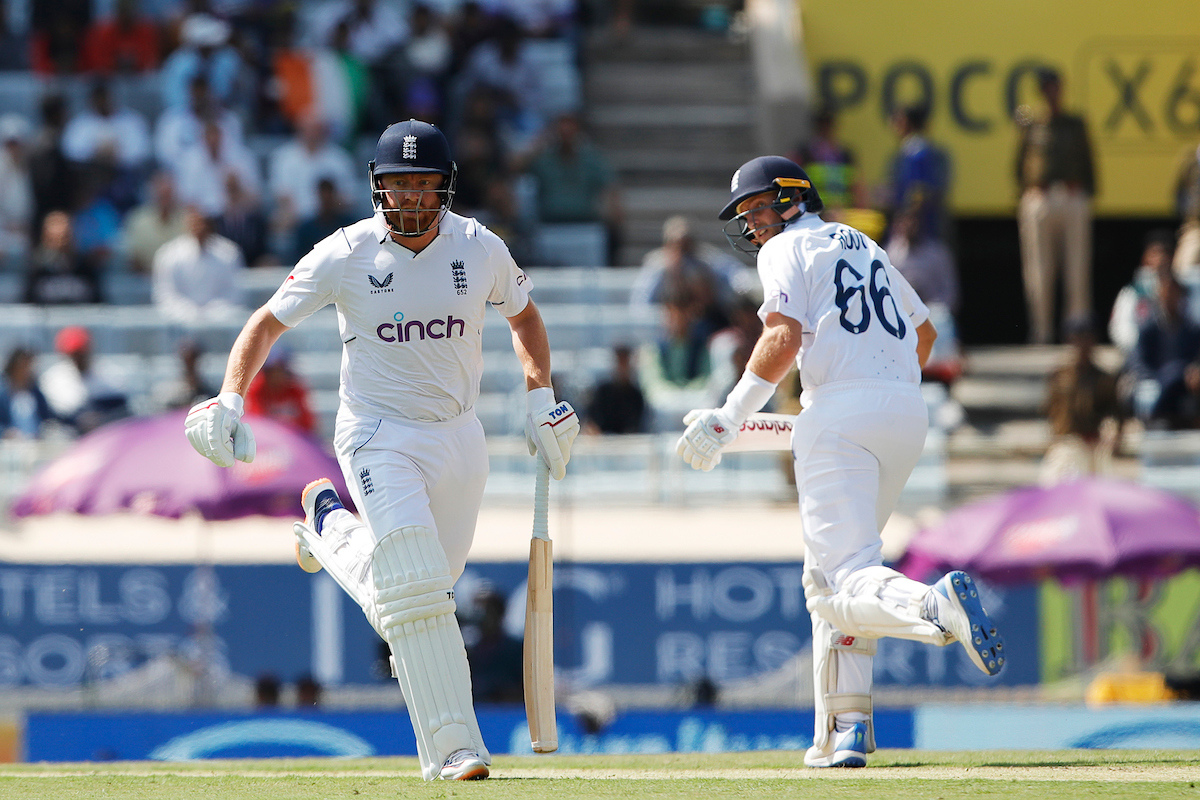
x,y
893,774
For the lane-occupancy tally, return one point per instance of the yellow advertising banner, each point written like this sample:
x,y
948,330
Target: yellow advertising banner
x,y
1132,70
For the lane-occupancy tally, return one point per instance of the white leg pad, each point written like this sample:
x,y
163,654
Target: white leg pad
x,y
414,600
841,684
873,602
342,552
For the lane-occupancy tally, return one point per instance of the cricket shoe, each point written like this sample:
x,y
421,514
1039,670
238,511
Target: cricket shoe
x,y
464,765
965,619
318,499
849,749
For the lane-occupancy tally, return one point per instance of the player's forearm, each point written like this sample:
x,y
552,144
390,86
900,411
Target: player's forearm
x,y
776,348
926,336
250,350
532,346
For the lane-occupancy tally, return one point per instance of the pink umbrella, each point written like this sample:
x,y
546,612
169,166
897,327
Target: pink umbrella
x,y
1085,529
146,465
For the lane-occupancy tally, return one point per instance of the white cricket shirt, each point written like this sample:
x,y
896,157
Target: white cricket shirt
x,y
411,323
858,313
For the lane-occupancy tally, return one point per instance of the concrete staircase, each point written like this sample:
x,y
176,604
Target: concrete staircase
x,y
673,110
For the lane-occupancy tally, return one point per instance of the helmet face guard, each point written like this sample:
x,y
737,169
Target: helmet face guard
x,y
393,213
412,147
790,195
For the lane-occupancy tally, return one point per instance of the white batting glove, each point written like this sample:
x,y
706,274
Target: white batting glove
x,y
709,431
550,428
215,428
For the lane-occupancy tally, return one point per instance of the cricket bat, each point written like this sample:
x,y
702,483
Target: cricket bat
x,y
539,624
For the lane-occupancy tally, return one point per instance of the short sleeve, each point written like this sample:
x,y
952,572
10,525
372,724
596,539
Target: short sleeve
x,y
784,289
907,296
313,283
510,284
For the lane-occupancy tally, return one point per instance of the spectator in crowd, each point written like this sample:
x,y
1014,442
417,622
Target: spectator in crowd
x,y
95,221
729,348
1082,409
375,29
128,42
832,166
111,143
928,265
495,657
151,225
23,407
180,129
674,370
278,392
57,36
58,273
697,268
1137,302
541,19
191,386
1187,206
502,214
575,182
1166,361
16,201
427,54
505,66
49,169
1056,181
195,275
14,45
290,87
920,174
308,692
266,690
244,223
76,391
204,51
330,215
346,86
472,27
482,157
295,170
205,169
617,404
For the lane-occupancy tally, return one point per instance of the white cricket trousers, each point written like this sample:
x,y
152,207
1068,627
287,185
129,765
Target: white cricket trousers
x,y
404,473
854,447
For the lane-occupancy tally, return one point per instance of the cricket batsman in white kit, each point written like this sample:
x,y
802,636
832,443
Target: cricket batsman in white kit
x,y
859,336
411,285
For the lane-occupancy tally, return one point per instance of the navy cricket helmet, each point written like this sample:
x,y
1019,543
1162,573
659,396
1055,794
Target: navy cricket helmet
x,y
784,177
413,146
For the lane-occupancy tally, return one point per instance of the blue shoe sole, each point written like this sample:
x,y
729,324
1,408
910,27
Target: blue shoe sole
x,y
986,647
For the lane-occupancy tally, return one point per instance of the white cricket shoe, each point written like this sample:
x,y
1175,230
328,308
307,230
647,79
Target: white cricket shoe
x,y
849,749
464,765
965,619
318,499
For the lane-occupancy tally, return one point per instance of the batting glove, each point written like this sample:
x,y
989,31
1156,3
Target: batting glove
x,y
217,432
709,431
550,429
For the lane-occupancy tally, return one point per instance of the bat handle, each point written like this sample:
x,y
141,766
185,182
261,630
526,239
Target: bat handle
x,y
541,501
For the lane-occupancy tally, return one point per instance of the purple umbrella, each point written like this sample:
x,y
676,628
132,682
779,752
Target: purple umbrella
x,y
146,465
1085,529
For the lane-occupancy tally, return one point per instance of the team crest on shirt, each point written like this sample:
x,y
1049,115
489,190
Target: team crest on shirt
x,y
381,286
458,272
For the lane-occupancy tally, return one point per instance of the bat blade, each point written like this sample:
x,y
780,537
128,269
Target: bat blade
x,y
539,627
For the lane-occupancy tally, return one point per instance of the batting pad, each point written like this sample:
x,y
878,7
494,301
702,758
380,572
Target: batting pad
x,y
841,683
414,600
874,602
335,552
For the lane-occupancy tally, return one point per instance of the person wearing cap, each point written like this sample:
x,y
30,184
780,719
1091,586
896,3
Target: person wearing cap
x,y
834,305
1056,179
278,392
76,391
204,50
411,285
